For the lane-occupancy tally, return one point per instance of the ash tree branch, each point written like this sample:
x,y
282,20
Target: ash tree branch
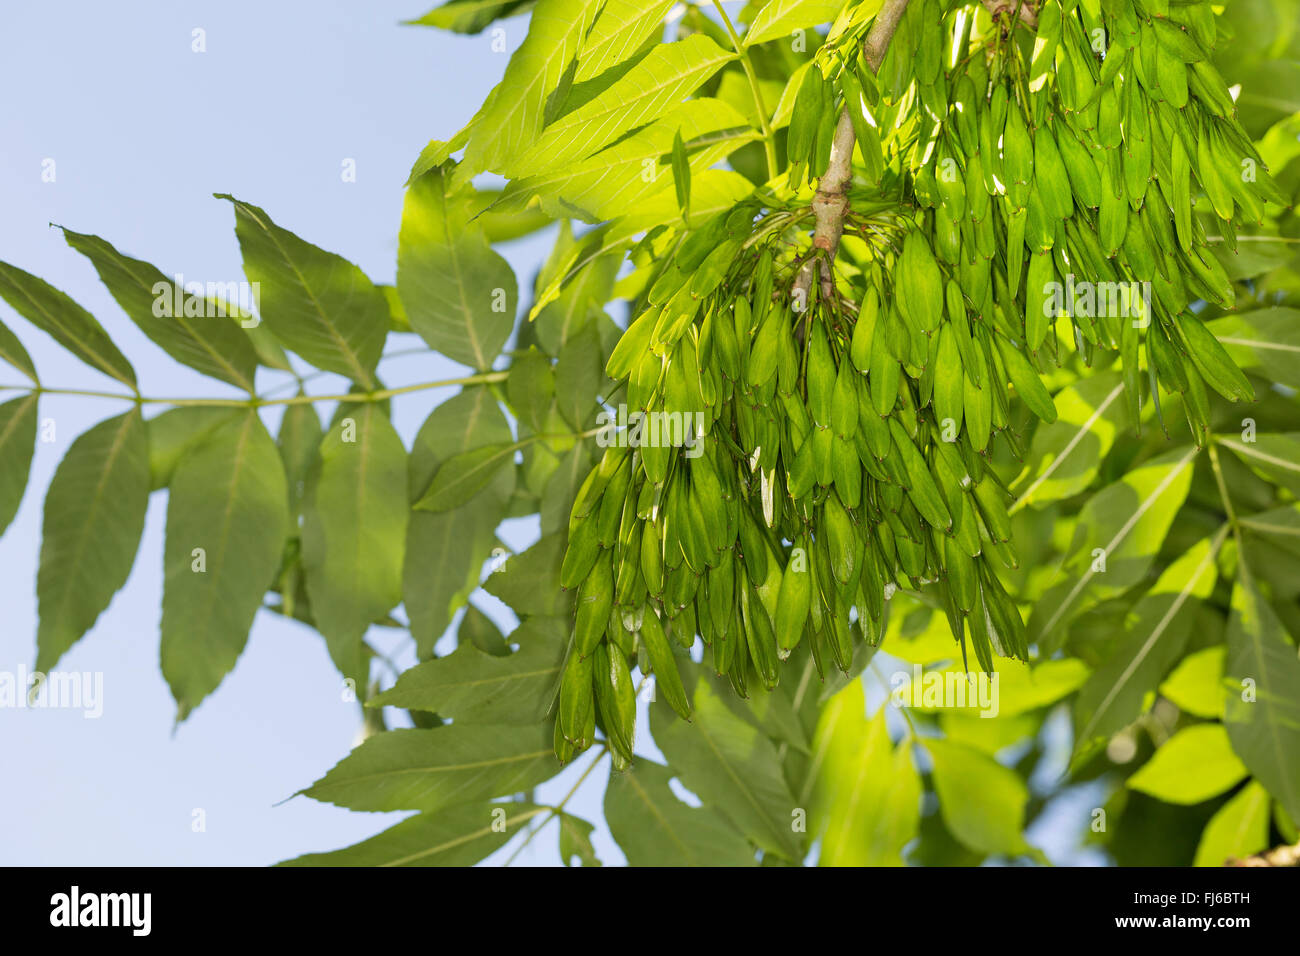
x,y
831,202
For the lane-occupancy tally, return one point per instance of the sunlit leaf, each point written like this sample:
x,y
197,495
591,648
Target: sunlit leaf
x,y
1120,529
460,295
1239,829
1065,456
1155,632
778,18
1196,684
667,74
1193,765
868,793
982,802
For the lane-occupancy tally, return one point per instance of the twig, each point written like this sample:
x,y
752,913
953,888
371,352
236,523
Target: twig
x,y
1280,856
1018,10
261,401
558,809
831,202
764,123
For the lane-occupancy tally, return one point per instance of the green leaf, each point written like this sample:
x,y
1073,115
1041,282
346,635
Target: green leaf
x,y
868,794
470,16
473,687
315,302
54,313
530,581
779,17
661,80
1019,689
1066,455
460,295
1238,830
981,801
354,532
588,285
477,629
575,841
654,828
732,767
562,487
1196,685
579,377
1274,457
1193,765
17,443
1262,717
455,836
299,441
12,351
989,736
1269,88
618,179
463,476
531,387
94,514
501,226
1155,632
212,344
445,551
173,433
431,769
1266,339
713,191
620,30
436,152
682,176
513,116
1124,523
228,497
1280,524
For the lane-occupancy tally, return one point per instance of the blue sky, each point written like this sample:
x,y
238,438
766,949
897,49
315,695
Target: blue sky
x,y
142,130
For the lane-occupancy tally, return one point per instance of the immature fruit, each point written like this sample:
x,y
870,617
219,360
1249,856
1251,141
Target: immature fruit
x,y
595,601
846,437
667,679
795,599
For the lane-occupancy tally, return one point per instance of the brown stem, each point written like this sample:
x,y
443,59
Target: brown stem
x,y
1281,856
831,201
1022,9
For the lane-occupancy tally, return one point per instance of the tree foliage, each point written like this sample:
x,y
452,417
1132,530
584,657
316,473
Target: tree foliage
x,y
857,248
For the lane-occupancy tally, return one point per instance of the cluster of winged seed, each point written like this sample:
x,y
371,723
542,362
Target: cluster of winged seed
x,y
812,457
